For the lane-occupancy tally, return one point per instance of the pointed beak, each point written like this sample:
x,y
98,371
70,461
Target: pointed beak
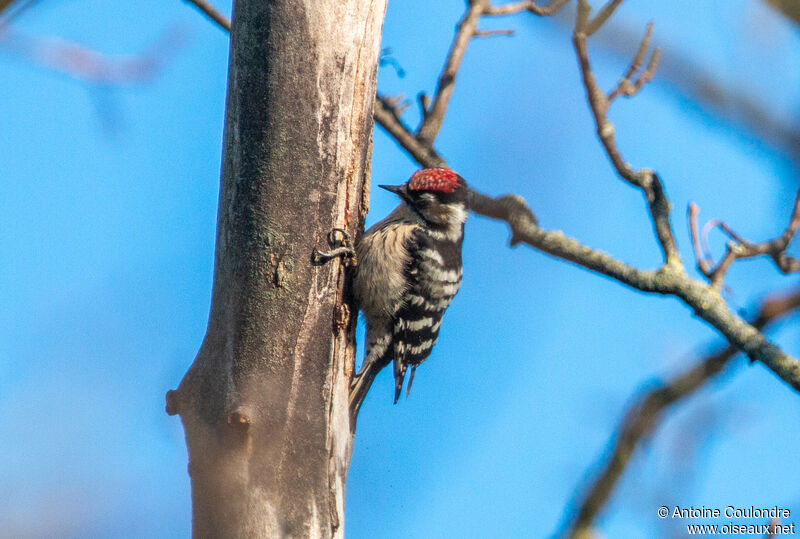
x,y
396,189
400,190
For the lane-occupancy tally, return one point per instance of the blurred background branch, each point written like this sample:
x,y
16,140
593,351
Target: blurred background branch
x,y
724,100
789,8
646,412
739,248
87,65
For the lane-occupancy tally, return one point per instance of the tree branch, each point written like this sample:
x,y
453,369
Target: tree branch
x,y
739,248
92,66
529,5
625,86
602,16
388,118
788,8
670,279
467,28
212,13
708,89
11,9
432,121
644,416
644,179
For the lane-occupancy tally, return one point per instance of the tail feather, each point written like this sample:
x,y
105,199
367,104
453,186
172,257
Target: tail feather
x,y
374,360
359,388
399,377
411,379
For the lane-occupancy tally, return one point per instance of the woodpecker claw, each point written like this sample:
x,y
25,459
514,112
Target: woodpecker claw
x,y
345,236
321,257
340,248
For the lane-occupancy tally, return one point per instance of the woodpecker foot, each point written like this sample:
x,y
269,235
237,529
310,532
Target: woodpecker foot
x,y
340,248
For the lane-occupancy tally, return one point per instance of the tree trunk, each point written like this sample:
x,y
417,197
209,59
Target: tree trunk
x,y
264,405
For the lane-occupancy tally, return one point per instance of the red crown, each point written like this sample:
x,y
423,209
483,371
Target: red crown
x,y
442,180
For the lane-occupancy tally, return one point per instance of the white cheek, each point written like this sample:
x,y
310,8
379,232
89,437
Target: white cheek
x,y
458,215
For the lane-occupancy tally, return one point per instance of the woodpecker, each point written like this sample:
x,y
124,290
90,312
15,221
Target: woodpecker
x,y
409,270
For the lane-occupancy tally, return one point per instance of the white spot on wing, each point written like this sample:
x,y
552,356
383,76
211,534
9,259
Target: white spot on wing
x,y
416,325
432,254
421,347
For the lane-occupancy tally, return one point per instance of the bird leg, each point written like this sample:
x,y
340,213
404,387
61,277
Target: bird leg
x,y
340,248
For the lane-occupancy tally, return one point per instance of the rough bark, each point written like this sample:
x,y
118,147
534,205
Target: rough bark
x,y
264,405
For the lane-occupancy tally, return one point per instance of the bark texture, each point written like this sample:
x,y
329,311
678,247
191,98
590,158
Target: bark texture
x,y
264,405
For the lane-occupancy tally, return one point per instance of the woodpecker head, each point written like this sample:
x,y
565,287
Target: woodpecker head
x,y
438,195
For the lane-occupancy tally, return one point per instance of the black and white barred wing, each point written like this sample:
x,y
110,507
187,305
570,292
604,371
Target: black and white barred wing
x,y
435,276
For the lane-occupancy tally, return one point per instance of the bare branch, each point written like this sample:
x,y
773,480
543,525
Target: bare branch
x,y
467,29
711,92
643,417
11,9
91,66
788,8
493,33
533,7
387,117
670,279
602,16
212,13
703,261
644,179
625,86
432,122
741,248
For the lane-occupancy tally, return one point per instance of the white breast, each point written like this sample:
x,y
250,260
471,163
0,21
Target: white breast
x,y
380,284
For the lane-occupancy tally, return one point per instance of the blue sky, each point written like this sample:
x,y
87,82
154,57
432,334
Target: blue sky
x,y
107,229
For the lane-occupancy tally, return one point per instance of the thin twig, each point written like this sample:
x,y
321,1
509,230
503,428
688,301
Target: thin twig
x,y
602,16
646,180
10,10
703,261
424,103
387,117
643,417
710,91
495,32
740,248
465,31
529,5
716,223
625,86
212,13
